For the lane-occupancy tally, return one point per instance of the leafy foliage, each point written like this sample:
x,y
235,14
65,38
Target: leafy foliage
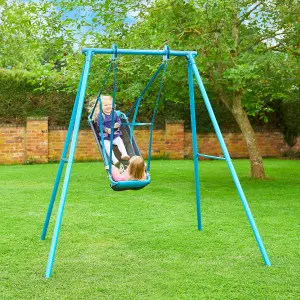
x,y
245,48
20,98
291,124
32,35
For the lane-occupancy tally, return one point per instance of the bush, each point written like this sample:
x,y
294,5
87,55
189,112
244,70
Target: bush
x,y
20,97
292,154
290,121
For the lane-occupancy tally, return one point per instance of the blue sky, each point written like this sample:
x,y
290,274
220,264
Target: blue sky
x,y
88,16
85,14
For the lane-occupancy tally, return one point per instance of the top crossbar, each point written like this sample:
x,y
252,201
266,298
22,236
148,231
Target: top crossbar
x,y
139,52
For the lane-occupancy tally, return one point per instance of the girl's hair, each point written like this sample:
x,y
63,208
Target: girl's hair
x,y
96,112
136,168
97,108
106,97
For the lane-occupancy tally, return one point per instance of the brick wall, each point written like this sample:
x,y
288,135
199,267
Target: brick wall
x,y
271,144
12,144
38,143
86,148
37,140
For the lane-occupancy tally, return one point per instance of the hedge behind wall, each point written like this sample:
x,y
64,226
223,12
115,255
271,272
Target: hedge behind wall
x,y
20,97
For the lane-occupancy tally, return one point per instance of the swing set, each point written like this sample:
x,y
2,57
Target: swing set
x,y
127,128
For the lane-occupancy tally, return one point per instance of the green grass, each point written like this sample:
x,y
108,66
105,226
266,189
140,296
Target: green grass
x,y
145,244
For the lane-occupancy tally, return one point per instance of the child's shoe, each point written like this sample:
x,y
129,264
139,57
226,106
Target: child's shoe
x,y
125,157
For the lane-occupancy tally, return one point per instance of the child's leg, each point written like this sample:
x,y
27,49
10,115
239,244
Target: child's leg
x,y
107,149
119,142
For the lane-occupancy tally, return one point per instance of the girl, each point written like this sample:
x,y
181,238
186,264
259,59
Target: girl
x,y
135,171
105,126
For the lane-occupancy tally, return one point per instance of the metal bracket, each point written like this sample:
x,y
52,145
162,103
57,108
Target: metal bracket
x,y
115,52
166,56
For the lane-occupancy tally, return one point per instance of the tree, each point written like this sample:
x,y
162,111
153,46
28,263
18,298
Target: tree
x,y
237,42
31,35
242,47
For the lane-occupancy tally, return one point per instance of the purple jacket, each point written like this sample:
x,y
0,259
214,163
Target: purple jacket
x,y
106,124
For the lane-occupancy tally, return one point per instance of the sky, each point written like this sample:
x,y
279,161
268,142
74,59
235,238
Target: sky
x,y
85,13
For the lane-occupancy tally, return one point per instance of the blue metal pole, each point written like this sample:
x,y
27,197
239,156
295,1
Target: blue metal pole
x,y
69,166
211,156
138,102
139,52
154,114
150,147
61,163
101,90
194,141
229,163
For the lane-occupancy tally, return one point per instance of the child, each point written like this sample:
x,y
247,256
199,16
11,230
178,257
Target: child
x,y
106,129
135,171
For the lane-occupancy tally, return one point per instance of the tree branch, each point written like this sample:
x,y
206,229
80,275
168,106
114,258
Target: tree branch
x,y
261,40
243,18
275,46
266,38
223,97
188,30
283,50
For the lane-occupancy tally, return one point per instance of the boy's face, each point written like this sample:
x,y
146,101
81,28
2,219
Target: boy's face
x,y
107,107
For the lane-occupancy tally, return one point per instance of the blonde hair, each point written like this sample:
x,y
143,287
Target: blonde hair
x,y
97,108
136,168
106,98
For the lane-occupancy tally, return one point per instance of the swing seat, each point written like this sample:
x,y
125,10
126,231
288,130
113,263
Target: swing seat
x,y
132,149
129,185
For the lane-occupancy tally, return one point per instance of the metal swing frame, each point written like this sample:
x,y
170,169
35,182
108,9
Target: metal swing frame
x,y
72,137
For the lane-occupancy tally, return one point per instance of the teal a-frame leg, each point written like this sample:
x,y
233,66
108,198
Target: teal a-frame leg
x,y
73,130
72,136
193,71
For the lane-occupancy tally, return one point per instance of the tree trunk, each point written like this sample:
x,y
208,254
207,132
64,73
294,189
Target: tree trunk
x,y
257,168
241,117
236,108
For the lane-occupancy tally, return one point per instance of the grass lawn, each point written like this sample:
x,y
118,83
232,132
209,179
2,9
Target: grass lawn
x,y
145,244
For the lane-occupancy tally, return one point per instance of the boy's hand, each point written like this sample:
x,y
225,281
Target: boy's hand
x,y
117,125
107,130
